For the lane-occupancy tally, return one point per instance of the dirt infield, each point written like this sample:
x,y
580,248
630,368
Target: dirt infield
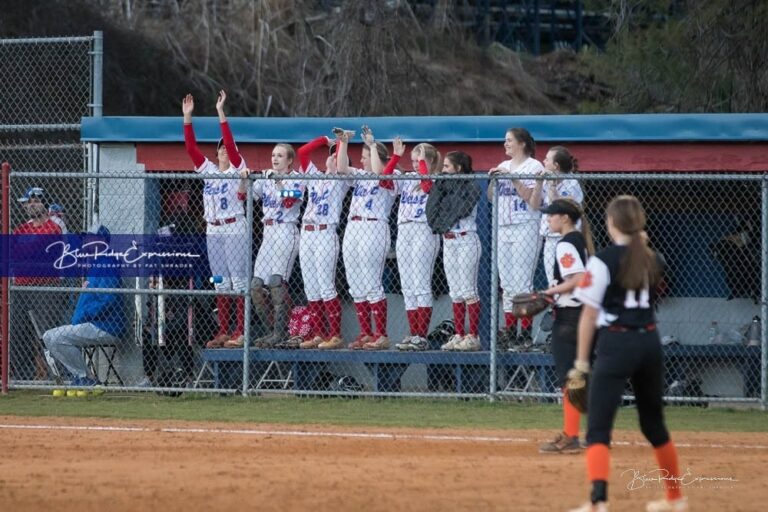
x,y
66,465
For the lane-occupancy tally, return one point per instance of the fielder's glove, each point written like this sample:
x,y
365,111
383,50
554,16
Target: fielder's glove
x,y
530,304
577,386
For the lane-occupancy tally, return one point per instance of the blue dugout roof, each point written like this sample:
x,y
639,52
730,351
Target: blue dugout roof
x,y
561,128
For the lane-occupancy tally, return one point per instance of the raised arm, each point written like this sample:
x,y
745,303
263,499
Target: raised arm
x,y
342,157
398,148
187,107
426,185
370,142
229,141
306,150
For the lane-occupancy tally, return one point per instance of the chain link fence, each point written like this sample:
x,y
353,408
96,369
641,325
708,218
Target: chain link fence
x,y
49,84
331,284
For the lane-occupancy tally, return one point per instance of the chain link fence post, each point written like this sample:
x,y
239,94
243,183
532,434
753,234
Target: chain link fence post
x,y
764,294
492,182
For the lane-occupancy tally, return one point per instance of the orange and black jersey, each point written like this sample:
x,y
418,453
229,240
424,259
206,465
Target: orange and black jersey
x,y
600,289
570,258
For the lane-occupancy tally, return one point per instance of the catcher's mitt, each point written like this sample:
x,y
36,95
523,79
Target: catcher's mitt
x,y
576,387
530,304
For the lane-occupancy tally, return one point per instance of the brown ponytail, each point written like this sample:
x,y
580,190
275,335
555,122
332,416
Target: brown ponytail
x,y
638,268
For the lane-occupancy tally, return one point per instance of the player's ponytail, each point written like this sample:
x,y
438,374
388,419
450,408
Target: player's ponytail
x,y
586,230
564,159
639,268
431,156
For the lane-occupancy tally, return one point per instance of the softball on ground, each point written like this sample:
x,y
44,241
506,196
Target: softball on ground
x,y
71,393
82,392
59,392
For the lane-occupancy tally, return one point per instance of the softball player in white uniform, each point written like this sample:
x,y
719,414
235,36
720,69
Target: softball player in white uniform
x,y
461,260
224,215
319,247
279,244
416,245
558,160
519,220
365,246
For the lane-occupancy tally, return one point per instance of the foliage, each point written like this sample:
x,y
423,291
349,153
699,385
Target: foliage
x,y
700,57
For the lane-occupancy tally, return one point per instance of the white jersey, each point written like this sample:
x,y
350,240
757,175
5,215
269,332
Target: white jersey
x,y
369,199
512,208
220,196
569,262
324,198
566,188
413,201
272,205
467,224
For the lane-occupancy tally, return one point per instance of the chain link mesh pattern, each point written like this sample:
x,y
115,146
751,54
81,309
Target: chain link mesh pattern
x,y
48,82
298,300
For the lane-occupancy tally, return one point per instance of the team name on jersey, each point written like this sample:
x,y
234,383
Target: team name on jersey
x,y
408,198
211,190
316,198
507,189
362,191
270,201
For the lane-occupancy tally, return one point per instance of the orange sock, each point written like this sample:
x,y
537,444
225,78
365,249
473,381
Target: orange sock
x,y
571,417
666,456
598,462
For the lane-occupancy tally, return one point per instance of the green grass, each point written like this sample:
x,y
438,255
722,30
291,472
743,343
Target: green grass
x,y
366,412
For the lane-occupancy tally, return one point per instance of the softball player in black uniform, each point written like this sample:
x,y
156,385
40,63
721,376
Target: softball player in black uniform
x,y
618,297
571,253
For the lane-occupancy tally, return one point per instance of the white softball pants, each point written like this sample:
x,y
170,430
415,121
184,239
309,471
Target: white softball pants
x,y
318,254
228,255
365,248
517,258
416,251
277,252
461,259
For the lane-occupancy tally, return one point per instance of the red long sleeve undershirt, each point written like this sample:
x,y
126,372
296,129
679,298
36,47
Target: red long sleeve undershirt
x,y
306,150
191,144
229,143
389,169
426,185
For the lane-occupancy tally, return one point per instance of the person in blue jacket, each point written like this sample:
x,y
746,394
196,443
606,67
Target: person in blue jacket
x,y
99,319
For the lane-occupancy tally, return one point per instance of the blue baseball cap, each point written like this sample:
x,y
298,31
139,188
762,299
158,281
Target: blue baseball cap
x,y
30,193
55,208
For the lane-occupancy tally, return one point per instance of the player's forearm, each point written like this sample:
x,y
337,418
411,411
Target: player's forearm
x,y
536,194
229,144
191,145
568,285
306,150
342,161
426,185
389,169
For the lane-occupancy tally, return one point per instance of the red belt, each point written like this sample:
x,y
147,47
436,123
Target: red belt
x,y
624,328
313,227
451,235
272,222
358,218
223,221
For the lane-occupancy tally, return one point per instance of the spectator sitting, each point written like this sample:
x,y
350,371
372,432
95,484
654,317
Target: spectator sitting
x,y
99,319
